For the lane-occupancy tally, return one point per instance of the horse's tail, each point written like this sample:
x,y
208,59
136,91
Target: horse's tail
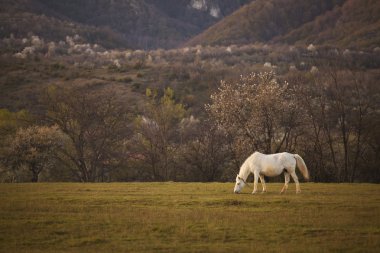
x,y
302,166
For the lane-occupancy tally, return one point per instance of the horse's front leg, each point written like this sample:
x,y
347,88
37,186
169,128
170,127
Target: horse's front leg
x,y
262,180
256,180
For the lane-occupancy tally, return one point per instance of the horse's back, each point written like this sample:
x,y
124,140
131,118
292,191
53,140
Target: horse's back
x,y
284,159
273,164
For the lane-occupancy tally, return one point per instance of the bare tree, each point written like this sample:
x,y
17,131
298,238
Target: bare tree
x,y
350,103
206,154
96,123
340,105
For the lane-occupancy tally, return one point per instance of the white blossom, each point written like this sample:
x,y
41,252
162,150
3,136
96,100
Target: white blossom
x,y
70,41
117,63
37,42
51,49
311,47
268,65
346,52
314,70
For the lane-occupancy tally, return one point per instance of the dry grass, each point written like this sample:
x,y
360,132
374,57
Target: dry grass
x,y
188,217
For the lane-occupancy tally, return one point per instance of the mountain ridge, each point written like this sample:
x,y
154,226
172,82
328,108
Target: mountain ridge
x,y
132,24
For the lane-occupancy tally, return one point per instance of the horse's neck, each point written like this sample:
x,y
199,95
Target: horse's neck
x,y
244,171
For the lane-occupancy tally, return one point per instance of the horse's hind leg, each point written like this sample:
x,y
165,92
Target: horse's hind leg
x,y
287,179
295,178
262,180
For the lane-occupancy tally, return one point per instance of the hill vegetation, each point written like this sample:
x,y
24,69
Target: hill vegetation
x,y
166,133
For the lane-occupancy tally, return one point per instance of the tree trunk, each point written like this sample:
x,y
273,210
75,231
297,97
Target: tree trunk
x,y
35,175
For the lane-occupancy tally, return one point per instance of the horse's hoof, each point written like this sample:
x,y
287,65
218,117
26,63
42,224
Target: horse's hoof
x,y
254,192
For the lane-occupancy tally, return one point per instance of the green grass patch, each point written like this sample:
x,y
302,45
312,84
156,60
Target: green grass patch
x,y
188,217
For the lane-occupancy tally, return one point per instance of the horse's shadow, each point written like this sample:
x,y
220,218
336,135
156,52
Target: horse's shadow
x,y
263,194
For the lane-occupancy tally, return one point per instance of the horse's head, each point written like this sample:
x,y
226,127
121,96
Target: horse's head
x,y
240,183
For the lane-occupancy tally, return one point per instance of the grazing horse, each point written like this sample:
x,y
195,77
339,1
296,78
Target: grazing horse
x,y
271,165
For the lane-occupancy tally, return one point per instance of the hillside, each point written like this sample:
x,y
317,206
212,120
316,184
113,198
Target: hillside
x,y
356,24
352,23
114,24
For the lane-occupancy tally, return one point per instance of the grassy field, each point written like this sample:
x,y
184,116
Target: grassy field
x,y
188,217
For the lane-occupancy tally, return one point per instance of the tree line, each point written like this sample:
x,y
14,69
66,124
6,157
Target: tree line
x,y
87,134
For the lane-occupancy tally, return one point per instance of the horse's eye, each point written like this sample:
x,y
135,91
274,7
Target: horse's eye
x,y
238,183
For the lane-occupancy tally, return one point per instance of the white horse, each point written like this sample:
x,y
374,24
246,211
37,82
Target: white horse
x,y
271,165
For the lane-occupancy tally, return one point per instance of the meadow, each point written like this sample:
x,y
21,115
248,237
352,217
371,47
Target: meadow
x,y
188,217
